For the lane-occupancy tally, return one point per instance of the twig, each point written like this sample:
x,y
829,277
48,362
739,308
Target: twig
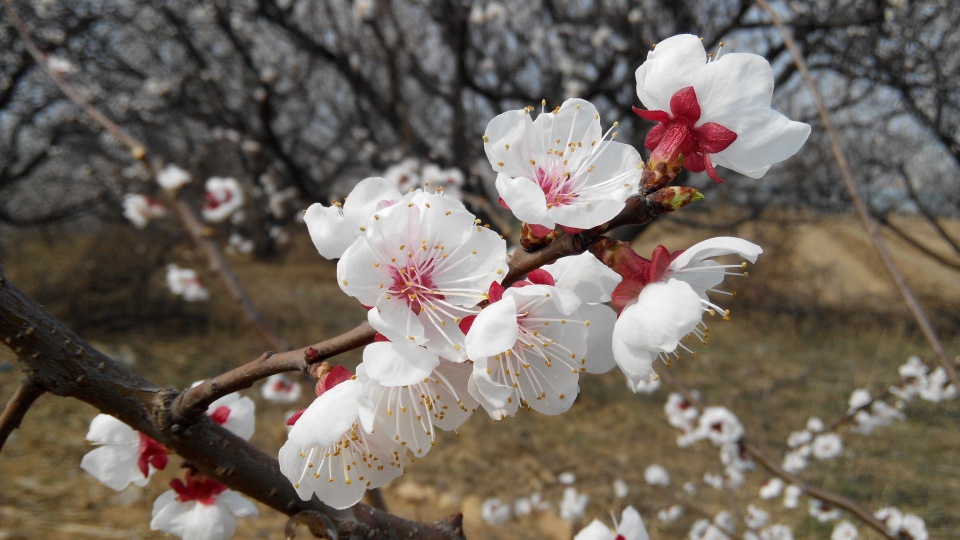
x,y
17,407
868,223
774,468
217,262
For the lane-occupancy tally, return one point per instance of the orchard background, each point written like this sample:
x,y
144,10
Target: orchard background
x,y
300,100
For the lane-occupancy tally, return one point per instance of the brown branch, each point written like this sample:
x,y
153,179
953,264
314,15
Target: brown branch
x,y
193,402
774,468
868,223
188,216
63,364
17,407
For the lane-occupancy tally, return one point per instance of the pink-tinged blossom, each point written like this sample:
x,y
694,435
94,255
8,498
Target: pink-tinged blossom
x,y
172,177
630,527
123,455
559,169
333,228
279,388
771,488
140,210
224,196
845,531
423,265
528,349
822,511
235,413
663,300
714,112
328,453
720,426
185,282
200,509
408,393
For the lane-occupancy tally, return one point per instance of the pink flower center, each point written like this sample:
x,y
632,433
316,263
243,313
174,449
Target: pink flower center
x,y
212,202
554,181
677,136
414,284
151,453
197,488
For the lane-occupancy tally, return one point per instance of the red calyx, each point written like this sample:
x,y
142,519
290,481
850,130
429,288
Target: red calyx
x,y
151,453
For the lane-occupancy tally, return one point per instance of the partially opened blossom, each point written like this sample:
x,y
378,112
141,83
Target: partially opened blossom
x,y
663,300
200,508
528,349
423,265
278,388
172,177
224,196
333,228
630,527
328,453
123,455
559,169
713,110
408,393
139,209
185,282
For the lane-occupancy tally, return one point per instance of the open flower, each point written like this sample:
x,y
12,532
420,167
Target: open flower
x,y
278,388
630,527
199,508
408,393
139,209
422,265
224,197
333,228
664,299
713,112
559,169
185,282
172,177
329,453
528,348
123,455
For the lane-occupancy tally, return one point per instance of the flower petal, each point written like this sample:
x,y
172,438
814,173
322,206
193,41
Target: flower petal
x,y
505,143
586,276
663,314
328,417
494,330
716,247
673,64
393,318
525,199
397,364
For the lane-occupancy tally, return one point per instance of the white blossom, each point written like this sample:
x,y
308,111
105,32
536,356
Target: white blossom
x,y
827,446
172,177
224,196
656,475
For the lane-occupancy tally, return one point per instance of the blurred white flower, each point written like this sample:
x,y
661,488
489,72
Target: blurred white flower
x,y
495,511
771,488
279,388
827,446
755,517
845,531
224,196
172,177
573,504
656,475
139,209
185,282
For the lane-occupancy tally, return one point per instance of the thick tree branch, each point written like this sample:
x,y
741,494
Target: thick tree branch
x,y
17,407
63,364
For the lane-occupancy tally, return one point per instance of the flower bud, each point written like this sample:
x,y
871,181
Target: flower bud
x,y
673,198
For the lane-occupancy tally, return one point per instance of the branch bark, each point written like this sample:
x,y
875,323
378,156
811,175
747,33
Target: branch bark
x,y
60,362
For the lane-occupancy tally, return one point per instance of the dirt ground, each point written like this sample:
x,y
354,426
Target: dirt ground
x,y
773,367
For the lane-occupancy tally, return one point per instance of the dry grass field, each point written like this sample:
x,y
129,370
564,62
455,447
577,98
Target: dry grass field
x,y
816,319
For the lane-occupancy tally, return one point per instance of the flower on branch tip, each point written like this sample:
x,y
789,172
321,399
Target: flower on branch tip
x,y
139,209
630,527
123,455
199,508
663,299
423,265
559,169
333,228
185,282
279,388
172,177
713,110
224,196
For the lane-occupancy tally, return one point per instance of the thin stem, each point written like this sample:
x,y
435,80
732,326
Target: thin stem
x,y
868,223
17,407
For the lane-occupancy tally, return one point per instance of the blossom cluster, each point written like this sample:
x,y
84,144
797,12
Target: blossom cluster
x,y
454,335
196,506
